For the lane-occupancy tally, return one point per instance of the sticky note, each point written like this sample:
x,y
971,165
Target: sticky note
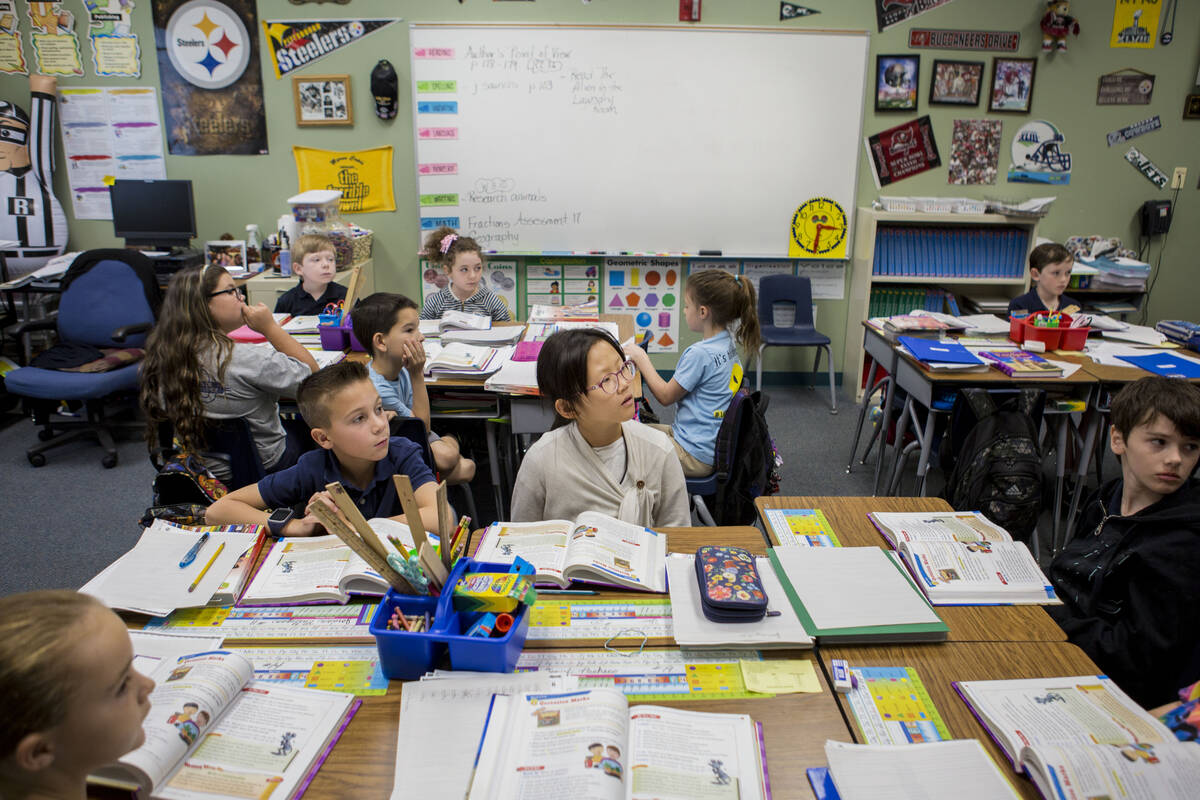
x,y
109,180
780,676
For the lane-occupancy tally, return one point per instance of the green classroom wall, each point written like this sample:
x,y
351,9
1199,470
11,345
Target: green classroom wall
x,y
1102,198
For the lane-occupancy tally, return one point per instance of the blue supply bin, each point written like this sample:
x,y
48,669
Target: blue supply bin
x,y
407,656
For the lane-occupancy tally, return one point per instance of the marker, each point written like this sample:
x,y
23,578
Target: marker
x,y
841,675
190,556
710,252
503,624
204,571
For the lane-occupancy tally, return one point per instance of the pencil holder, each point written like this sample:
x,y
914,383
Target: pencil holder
x,y
332,337
348,332
1061,338
407,656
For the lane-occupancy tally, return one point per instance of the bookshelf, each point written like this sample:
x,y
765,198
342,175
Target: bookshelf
x,y
940,238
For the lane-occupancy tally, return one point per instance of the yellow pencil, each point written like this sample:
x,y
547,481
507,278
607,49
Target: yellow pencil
x,y
204,571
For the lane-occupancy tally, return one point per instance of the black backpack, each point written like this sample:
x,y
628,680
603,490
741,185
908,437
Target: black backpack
x,y
752,470
998,467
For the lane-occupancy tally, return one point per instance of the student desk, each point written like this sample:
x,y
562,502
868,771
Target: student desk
x,y
938,665
848,516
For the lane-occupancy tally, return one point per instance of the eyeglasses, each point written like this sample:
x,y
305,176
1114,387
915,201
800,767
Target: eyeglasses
x,y
230,290
611,381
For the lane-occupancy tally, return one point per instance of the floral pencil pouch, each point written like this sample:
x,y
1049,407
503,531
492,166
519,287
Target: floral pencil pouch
x,y
730,588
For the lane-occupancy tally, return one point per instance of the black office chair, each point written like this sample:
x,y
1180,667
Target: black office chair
x,y
413,429
227,439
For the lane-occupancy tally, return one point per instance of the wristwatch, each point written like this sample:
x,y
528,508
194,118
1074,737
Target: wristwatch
x,y
279,517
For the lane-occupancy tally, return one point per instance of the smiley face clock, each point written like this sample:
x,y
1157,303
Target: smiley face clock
x,y
818,230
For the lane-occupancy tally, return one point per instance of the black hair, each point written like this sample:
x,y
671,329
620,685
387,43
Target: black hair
x,y
1138,403
562,365
377,314
317,389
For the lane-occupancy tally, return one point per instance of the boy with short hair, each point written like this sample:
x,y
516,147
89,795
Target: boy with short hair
x,y
314,261
1130,579
348,422
387,325
1050,267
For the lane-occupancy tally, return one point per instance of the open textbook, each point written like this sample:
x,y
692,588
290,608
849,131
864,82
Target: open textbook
x,y
212,731
592,744
322,568
1082,737
593,547
962,558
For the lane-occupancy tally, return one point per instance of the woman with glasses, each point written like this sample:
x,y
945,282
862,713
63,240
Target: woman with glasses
x,y
193,370
597,457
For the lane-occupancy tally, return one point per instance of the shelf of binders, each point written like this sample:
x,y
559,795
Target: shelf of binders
x,y
962,253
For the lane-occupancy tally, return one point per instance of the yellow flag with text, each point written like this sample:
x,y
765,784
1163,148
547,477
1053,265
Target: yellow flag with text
x,y
363,176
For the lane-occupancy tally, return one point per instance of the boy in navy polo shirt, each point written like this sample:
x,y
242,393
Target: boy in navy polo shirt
x,y
314,260
1050,269
348,421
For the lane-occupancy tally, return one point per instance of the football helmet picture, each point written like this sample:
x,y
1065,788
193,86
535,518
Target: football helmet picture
x,y
1038,147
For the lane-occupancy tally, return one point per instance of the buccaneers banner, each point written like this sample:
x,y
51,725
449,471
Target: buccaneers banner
x,y
298,43
363,176
211,81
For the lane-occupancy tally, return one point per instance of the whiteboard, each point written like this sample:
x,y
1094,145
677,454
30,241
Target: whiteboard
x,y
558,138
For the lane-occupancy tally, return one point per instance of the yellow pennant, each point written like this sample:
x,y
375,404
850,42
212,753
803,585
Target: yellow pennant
x,y
363,176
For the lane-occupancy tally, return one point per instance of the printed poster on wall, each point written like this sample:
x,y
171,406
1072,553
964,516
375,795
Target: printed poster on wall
x,y
1038,156
12,56
211,80
1134,23
499,277
115,51
558,281
55,45
893,12
827,278
109,134
296,43
902,151
363,176
648,289
974,152
732,267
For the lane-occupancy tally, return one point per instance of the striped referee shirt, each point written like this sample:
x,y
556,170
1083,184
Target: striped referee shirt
x,y
482,302
30,214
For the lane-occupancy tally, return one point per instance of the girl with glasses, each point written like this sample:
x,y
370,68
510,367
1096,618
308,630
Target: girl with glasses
x,y
597,457
193,370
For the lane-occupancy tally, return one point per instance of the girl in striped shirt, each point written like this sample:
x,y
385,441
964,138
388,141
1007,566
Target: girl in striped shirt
x,y
462,259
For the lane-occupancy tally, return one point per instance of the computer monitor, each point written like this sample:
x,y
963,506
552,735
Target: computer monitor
x,y
154,214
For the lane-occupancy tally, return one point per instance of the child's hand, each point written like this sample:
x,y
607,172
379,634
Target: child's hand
x,y
258,317
327,499
307,526
637,355
414,357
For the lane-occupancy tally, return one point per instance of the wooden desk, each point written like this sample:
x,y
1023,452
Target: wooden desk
x,y
848,516
939,664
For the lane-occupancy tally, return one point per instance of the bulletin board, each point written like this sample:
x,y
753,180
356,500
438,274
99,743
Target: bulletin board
x,y
583,139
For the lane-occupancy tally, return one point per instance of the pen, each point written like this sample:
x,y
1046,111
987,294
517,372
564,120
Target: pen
x,y
191,554
204,571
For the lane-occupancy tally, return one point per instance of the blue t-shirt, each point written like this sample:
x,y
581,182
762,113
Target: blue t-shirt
x,y
295,485
711,372
396,395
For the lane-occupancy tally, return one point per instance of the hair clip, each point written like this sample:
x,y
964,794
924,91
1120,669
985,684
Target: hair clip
x,y
447,240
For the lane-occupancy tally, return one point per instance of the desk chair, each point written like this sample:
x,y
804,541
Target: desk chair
x,y
414,430
227,439
110,298
796,291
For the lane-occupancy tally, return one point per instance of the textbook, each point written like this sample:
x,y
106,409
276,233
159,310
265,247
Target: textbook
x,y
214,731
593,744
463,321
962,558
322,569
1082,737
1021,364
457,358
851,595
593,548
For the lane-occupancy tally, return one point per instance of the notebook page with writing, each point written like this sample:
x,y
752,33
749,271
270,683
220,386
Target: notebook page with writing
x,y
930,771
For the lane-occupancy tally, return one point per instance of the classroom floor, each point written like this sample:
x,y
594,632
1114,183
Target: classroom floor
x,y
62,523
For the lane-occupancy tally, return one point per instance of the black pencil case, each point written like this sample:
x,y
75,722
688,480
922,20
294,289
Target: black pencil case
x,y
730,587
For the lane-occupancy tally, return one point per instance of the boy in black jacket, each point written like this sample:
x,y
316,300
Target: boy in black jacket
x,y
1130,579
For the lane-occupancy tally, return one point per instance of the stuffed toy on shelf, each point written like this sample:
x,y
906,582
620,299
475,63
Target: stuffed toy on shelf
x,y
1056,24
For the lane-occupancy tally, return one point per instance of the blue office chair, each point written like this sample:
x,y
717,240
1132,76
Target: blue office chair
x,y
110,298
795,291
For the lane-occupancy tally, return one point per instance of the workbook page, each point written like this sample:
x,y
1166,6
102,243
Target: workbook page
x,y
296,568
542,544
608,550
691,755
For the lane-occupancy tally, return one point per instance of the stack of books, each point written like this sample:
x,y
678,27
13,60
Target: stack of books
x,y
1117,273
938,356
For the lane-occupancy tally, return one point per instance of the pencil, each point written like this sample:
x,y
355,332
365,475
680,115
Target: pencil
x,y
204,571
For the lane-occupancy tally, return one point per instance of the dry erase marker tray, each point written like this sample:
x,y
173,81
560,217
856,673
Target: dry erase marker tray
x,y
407,656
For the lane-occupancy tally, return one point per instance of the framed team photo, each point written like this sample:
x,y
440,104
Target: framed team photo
x,y
896,82
1012,84
322,100
955,83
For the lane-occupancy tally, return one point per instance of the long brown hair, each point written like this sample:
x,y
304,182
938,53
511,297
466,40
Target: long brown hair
x,y
729,298
37,635
171,371
459,244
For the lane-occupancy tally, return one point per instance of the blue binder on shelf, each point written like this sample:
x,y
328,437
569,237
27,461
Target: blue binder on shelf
x,y
932,351
1169,365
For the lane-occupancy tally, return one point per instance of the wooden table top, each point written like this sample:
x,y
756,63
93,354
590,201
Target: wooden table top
x,y
938,665
795,726
848,517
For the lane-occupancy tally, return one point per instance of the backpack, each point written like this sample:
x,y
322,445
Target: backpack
x,y
998,468
183,489
752,470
